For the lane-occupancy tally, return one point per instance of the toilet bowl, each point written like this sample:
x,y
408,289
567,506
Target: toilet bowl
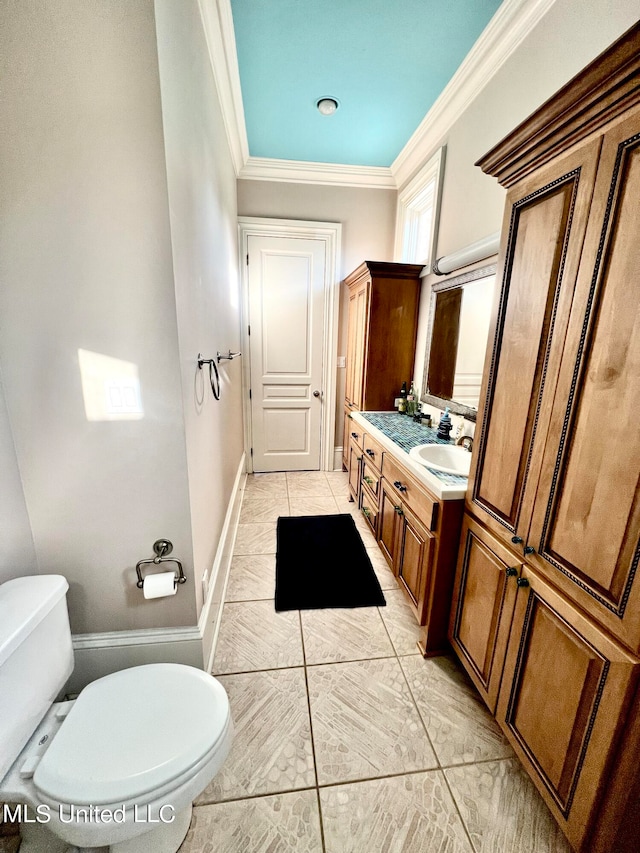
x,y
118,767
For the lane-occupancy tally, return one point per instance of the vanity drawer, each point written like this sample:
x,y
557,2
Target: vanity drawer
x,y
369,507
355,433
370,476
408,490
372,452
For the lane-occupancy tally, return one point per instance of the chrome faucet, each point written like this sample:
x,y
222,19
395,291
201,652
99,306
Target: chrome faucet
x,y
466,441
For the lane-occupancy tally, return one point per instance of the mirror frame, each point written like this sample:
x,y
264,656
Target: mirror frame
x,y
440,287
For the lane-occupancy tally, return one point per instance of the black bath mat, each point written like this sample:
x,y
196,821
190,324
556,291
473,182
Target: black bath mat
x,y
321,562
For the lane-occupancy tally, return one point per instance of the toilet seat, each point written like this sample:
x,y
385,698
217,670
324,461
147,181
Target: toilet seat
x,y
113,748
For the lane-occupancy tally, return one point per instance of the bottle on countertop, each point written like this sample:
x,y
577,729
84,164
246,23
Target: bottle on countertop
x,y
402,399
412,401
445,425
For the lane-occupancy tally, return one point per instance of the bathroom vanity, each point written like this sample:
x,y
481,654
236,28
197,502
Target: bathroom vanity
x,y
414,512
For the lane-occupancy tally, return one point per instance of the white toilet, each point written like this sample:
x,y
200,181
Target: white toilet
x,y
119,767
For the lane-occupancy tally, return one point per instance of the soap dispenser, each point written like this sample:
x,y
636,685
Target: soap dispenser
x,y
445,425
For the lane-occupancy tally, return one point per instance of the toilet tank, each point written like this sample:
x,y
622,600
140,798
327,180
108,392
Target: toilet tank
x,y
36,657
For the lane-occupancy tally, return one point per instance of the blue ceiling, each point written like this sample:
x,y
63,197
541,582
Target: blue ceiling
x,y
386,62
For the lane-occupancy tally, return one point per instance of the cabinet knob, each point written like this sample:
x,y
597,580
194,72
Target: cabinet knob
x,y
528,549
368,481
370,452
399,486
366,511
398,509
522,582
355,435
511,572
515,539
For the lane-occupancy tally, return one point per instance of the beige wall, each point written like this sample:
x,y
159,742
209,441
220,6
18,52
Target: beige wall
x,y
17,554
85,261
202,201
368,221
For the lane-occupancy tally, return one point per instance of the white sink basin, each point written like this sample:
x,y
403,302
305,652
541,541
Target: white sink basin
x,y
443,457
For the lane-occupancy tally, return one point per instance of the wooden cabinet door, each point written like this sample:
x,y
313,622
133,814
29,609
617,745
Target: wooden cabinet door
x,y
484,596
565,689
387,523
354,468
356,342
543,231
414,552
586,521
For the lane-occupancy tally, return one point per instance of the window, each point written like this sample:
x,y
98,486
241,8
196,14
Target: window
x,y
417,214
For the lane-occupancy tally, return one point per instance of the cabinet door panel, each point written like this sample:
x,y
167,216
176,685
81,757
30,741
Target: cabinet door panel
x,y
545,224
413,559
387,523
586,523
354,469
483,600
356,336
565,686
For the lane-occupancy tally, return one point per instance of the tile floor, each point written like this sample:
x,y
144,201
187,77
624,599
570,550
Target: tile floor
x,y
346,739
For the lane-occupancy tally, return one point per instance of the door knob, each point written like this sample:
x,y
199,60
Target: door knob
x,y
316,393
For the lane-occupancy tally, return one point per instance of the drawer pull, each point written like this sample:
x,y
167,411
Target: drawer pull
x,y
366,512
522,582
399,486
529,549
398,509
511,572
368,481
370,452
355,435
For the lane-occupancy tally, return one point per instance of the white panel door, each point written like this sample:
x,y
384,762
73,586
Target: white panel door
x,y
286,315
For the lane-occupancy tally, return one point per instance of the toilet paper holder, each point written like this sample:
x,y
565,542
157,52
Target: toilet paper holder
x,y
161,548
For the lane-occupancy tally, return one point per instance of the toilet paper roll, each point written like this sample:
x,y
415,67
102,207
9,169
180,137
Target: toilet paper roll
x,y
159,585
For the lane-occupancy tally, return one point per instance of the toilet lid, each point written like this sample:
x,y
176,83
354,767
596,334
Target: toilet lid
x,y
132,732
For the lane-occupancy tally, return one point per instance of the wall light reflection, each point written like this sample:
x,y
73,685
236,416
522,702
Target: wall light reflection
x,y
110,387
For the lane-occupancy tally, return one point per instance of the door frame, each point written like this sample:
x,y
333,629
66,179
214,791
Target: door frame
x,y
331,234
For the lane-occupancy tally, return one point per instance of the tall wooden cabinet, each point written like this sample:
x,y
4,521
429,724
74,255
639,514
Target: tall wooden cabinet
x,y
381,336
546,614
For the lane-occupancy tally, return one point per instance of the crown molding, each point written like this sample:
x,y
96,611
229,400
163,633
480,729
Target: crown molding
x,y
505,31
302,172
217,22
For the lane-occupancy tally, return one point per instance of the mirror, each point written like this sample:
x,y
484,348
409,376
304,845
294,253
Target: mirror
x,y
459,318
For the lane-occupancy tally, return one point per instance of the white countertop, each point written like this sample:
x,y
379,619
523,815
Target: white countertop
x,y
440,489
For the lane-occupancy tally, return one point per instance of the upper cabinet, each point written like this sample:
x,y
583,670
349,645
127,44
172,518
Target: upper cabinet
x,y
557,464
381,336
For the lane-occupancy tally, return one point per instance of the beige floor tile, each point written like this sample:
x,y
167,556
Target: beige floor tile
x,y
313,505
459,725
503,811
253,636
255,539
381,568
365,723
344,634
403,814
252,577
301,484
338,482
285,823
267,485
271,750
401,622
263,508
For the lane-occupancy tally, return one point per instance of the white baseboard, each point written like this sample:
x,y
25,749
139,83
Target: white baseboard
x,y
337,458
209,621
103,653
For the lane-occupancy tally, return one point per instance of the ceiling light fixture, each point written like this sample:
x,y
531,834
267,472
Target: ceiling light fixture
x,y
327,106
